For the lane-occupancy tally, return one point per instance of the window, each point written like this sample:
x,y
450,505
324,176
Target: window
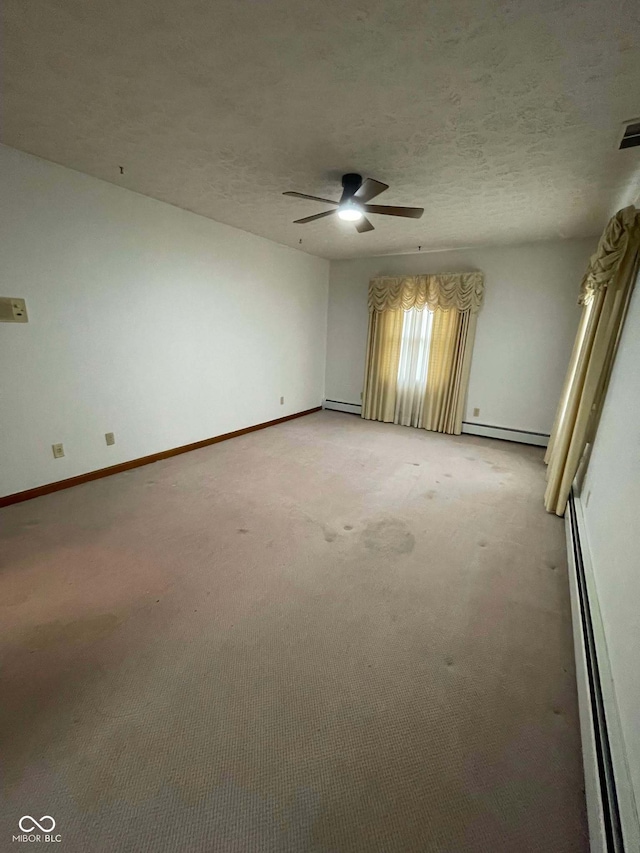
x,y
413,366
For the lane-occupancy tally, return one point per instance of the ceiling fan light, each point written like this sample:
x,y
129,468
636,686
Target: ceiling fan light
x,y
350,214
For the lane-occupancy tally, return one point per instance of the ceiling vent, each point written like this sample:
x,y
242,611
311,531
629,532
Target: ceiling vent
x,y
631,135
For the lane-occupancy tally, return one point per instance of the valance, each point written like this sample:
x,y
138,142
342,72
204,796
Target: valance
x,y
442,291
604,263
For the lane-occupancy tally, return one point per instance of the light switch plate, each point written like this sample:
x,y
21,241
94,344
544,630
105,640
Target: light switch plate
x,y
110,438
476,413
13,310
58,450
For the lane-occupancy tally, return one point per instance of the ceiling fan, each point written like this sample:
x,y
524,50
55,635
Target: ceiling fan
x,y
353,204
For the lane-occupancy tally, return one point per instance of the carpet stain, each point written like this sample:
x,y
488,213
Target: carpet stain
x,y
482,543
77,631
329,534
243,530
430,495
391,535
348,527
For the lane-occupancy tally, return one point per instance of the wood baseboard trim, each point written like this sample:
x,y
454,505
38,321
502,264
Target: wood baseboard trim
x,y
47,489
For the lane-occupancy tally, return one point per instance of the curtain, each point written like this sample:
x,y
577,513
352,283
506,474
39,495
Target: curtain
x,y
380,381
449,365
421,333
605,293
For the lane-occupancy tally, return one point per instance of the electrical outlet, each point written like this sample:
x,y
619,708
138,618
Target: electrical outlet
x,y
110,438
476,413
58,451
282,401
13,310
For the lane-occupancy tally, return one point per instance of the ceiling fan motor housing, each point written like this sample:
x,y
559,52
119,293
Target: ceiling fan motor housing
x,y
350,183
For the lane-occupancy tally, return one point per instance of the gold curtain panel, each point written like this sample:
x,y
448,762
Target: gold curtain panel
x,y
439,292
605,294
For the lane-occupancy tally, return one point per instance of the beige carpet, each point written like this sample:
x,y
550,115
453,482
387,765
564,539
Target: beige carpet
x,y
332,635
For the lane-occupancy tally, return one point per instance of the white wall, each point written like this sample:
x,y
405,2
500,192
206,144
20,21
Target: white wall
x,y
610,498
525,331
145,320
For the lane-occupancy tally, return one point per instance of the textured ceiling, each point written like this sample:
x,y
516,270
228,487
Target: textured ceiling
x,y
500,117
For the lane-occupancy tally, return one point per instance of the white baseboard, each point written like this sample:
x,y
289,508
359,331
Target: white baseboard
x,y
605,765
506,433
339,406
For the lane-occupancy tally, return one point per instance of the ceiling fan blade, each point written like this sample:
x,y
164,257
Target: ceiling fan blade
x,y
313,218
312,197
409,212
363,225
369,189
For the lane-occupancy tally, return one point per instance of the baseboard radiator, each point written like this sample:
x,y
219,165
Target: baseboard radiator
x,y
522,436
505,433
341,406
603,806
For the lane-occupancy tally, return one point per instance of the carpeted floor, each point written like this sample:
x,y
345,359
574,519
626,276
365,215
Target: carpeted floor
x,y
332,635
